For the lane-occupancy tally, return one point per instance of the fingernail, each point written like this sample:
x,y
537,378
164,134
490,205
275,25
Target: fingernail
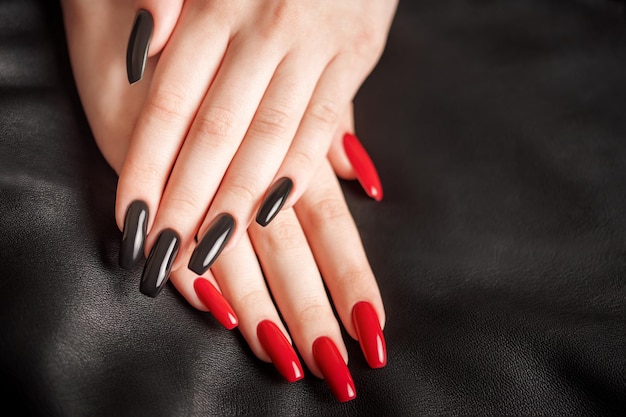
x,y
157,269
334,369
138,43
134,234
279,349
364,167
212,243
273,202
370,334
216,303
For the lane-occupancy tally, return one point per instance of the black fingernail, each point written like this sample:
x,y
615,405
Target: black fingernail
x,y
159,263
138,44
274,201
134,235
212,243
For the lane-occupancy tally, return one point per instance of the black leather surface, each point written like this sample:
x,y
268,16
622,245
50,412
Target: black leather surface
x,y
499,131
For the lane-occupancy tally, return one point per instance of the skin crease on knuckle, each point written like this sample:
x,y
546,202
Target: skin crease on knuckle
x,y
270,123
167,106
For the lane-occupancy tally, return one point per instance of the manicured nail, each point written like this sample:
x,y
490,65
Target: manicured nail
x,y
279,349
138,43
370,334
273,202
156,272
212,243
134,235
216,303
334,369
364,167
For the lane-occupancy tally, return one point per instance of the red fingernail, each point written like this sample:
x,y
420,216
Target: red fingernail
x,y
364,167
280,350
334,369
216,303
370,334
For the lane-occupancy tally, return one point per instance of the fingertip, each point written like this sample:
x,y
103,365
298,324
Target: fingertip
x,y
165,14
339,160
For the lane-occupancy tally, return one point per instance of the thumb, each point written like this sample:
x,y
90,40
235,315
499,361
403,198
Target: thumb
x,y
154,23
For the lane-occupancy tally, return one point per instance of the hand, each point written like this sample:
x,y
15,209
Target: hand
x,y
245,97
319,235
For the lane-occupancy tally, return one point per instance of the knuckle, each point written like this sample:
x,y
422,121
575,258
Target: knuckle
x,y
325,113
368,45
270,123
311,311
354,277
143,174
283,235
303,160
331,210
167,105
185,203
215,122
243,191
253,298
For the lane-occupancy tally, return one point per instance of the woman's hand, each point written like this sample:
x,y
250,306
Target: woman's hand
x,y
319,235
241,109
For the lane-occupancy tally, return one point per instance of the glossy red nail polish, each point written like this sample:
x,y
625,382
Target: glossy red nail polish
x,y
280,350
370,334
216,303
364,167
334,369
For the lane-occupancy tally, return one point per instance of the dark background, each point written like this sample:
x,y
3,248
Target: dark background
x,y
499,132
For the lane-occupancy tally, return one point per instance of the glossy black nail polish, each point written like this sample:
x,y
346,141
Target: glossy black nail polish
x,y
212,243
157,269
274,201
138,43
134,235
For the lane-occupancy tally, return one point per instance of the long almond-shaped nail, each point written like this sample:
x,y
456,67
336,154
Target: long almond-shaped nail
x,y
370,334
334,369
156,272
212,243
134,234
279,349
363,166
274,201
138,44
216,303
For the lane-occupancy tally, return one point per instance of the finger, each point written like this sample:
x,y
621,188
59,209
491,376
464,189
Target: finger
x,y
241,279
299,292
177,89
263,148
326,220
331,97
213,139
337,154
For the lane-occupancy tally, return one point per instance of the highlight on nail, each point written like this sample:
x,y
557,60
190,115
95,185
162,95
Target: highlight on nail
x,y
363,166
138,45
335,371
134,234
280,351
216,303
212,244
157,269
369,334
274,200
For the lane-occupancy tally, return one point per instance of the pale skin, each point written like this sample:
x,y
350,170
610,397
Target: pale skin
x,y
261,90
